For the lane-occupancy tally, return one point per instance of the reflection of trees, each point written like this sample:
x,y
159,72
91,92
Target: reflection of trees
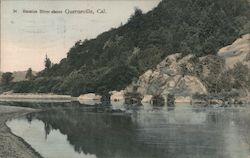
x,y
108,135
104,135
168,133
47,129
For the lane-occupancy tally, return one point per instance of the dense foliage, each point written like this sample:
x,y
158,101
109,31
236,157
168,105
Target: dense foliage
x,y
6,78
116,57
220,80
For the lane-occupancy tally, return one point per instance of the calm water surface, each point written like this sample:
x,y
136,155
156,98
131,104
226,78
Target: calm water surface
x,y
145,132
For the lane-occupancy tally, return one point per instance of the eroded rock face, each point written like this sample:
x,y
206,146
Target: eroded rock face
x,y
184,76
239,51
189,85
172,75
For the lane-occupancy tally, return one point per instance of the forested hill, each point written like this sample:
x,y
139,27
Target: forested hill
x,y
116,57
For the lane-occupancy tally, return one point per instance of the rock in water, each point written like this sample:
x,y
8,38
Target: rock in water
x,y
117,99
117,96
89,99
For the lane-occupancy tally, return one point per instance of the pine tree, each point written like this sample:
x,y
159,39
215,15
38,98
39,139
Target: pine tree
x,y
47,62
29,75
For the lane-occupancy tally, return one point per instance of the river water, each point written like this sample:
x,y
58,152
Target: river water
x,y
183,131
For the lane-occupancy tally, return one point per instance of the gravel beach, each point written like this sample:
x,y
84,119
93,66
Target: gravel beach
x,y
12,146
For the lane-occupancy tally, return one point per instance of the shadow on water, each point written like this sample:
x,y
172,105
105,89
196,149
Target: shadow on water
x,y
148,132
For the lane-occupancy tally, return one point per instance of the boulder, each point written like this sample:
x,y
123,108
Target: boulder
x,y
117,99
89,96
147,99
117,96
89,99
215,102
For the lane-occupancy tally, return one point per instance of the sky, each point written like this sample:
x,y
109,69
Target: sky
x,y
27,37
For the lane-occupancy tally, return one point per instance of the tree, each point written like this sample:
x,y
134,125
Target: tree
x,y
47,62
7,77
29,75
137,13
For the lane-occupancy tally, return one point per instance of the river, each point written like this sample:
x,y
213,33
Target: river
x,y
68,130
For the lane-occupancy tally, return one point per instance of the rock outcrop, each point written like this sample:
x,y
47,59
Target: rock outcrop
x,y
189,85
239,51
184,76
173,75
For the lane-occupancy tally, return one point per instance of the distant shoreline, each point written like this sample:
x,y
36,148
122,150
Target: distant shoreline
x,y
91,98
36,97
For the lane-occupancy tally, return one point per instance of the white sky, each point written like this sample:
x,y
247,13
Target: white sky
x,y
26,38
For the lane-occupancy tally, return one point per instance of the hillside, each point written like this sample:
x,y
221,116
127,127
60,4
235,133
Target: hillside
x,y
116,57
225,75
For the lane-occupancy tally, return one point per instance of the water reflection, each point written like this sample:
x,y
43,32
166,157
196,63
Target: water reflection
x,y
147,132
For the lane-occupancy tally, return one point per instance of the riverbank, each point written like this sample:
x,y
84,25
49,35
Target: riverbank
x,y
12,146
36,97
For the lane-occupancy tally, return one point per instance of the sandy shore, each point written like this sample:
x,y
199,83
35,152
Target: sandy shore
x,y
49,96
12,146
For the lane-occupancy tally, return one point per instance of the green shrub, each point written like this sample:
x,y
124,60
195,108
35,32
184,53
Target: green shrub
x,y
23,87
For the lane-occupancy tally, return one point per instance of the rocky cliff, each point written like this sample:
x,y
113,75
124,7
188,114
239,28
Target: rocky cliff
x,y
239,51
173,75
189,75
